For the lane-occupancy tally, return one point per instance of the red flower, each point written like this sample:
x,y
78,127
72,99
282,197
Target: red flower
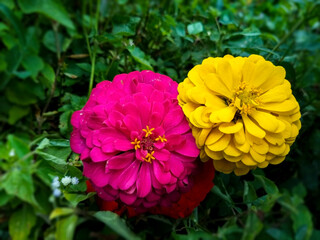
x,y
181,209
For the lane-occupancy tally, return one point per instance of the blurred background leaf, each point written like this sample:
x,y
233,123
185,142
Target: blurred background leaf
x,y
52,52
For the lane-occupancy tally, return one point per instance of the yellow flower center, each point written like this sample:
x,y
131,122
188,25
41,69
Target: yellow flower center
x,y
146,143
245,98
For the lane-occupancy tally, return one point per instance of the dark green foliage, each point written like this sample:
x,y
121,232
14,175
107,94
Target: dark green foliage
x,y
54,52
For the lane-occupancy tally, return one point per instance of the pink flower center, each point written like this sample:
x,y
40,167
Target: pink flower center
x,y
146,143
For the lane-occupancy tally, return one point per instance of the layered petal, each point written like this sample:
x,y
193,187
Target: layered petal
x,y
241,111
135,142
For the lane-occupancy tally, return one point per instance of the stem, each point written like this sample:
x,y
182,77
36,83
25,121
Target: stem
x,y
55,27
93,63
94,53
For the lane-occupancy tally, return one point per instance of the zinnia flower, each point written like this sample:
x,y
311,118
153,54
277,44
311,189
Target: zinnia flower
x,y
181,209
242,112
135,143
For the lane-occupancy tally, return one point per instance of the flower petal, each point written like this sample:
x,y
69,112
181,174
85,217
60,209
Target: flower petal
x,y
224,166
175,165
221,144
285,106
122,144
132,123
75,118
223,115
96,173
98,156
214,155
162,176
120,161
194,76
200,117
266,120
77,142
224,71
144,180
173,118
231,127
127,198
189,148
214,136
215,84
248,160
162,155
277,94
129,176
252,128
256,156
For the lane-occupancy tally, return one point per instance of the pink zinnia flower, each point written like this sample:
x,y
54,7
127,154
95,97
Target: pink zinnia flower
x,y
135,143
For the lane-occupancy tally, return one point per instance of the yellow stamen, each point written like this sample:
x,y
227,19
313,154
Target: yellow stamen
x,y
148,131
136,143
149,157
246,99
162,139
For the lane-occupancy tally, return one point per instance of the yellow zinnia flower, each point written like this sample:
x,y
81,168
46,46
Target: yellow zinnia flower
x,y
241,111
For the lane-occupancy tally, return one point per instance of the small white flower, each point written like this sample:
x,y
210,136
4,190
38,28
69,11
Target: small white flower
x,y
12,153
74,180
55,179
55,184
66,180
131,43
57,192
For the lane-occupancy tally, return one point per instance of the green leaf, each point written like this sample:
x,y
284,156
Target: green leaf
x,y
269,186
253,227
64,123
315,234
278,234
21,223
49,40
195,28
59,212
57,151
113,221
180,30
43,144
24,93
54,156
140,57
302,222
33,64
65,227
5,198
3,63
18,182
194,235
249,193
19,146
50,8
216,190
16,113
123,29
49,75
266,202
75,199
9,16
46,172
8,3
